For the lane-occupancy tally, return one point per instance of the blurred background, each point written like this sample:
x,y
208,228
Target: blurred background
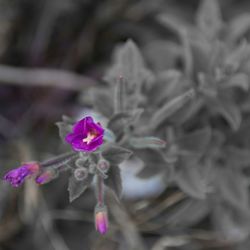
x,y
51,52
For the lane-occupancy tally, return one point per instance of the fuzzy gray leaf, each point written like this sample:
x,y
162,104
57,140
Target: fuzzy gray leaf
x,y
190,179
233,187
231,223
171,107
114,181
195,142
153,161
147,142
64,129
76,188
239,80
237,157
228,110
116,154
129,64
120,121
209,18
120,95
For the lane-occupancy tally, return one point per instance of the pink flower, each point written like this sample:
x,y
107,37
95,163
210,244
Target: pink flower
x,y
86,136
101,219
17,176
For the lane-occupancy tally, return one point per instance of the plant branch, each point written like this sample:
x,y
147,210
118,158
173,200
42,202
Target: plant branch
x,y
44,78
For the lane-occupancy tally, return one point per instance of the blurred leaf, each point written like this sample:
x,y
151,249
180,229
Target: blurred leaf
x,y
76,188
190,179
102,101
187,213
170,108
231,223
109,135
120,121
196,142
154,163
228,110
64,129
209,18
114,181
237,157
239,80
129,64
233,187
237,57
116,154
239,26
147,142
120,95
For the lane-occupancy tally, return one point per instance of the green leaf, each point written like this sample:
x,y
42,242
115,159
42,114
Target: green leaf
x,y
116,154
171,107
64,129
209,18
147,142
114,181
77,188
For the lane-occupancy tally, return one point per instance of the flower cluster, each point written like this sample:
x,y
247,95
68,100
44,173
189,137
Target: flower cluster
x,y
87,136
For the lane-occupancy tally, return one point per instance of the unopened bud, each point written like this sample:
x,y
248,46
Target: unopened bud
x,y
81,173
101,219
103,165
46,176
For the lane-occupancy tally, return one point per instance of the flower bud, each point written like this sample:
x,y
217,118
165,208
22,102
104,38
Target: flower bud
x,y
17,176
81,173
46,176
101,219
103,165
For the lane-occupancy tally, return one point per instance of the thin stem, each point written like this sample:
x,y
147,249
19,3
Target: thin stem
x,y
60,160
100,191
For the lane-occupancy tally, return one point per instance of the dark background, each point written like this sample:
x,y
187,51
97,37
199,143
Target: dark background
x,y
50,52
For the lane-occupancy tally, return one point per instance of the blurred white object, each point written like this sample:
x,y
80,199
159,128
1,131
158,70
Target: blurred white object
x,y
136,188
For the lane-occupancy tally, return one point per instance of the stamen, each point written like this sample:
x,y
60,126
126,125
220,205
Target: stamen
x,y
89,138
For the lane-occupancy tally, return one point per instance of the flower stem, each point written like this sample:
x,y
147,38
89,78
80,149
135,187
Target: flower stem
x,y
60,160
100,191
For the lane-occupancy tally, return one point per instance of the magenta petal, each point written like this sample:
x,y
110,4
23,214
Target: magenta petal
x,y
73,137
82,129
17,176
81,126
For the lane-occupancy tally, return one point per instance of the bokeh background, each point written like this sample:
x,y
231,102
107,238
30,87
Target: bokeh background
x,y
51,52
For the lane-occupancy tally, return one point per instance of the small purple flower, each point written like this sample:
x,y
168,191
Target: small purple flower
x,y
87,135
17,176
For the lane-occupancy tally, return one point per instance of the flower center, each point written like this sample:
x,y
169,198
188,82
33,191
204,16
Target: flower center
x,y
90,137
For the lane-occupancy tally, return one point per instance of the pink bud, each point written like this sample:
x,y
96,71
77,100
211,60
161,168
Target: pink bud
x,y
46,176
101,219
